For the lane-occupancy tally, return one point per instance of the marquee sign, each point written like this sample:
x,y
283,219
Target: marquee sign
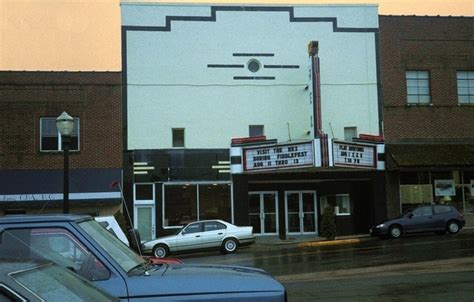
x,y
354,155
278,157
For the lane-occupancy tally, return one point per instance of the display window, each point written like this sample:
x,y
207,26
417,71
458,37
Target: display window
x,y
184,203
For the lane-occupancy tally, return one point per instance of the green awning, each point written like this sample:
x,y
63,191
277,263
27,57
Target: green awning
x,y
429,155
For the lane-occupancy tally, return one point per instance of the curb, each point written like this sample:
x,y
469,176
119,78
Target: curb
x,y
329,242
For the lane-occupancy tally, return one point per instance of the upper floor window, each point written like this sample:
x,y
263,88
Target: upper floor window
x,y
350,133
178,137
465,81
418,87
255,130
51,138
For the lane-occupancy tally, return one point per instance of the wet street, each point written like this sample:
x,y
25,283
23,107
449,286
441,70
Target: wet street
x,y
413,268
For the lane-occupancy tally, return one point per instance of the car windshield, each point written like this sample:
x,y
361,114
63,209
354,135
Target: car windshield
x,y
53,283
124,256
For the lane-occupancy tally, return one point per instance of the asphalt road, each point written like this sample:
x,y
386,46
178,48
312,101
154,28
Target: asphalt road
x,y
414,268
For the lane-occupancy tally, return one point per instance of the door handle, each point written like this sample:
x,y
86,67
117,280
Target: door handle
x,y
198,235
220,233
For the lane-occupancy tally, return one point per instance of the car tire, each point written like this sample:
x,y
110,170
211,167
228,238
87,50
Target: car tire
x,y
229,246
453,227
395,231
160,251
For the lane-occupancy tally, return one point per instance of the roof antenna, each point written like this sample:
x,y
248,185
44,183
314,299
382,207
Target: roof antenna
x,y
289,132
332,131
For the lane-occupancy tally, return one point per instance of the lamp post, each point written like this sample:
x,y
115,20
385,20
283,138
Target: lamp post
x,y
65,125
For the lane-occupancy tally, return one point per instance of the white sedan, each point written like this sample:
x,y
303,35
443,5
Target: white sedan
x,y
206,234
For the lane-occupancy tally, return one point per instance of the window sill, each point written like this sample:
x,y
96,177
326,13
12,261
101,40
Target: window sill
x,y
59,152
466,105
419,105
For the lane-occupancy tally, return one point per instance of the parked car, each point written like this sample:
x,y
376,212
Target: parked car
x,y
200,235
426,218
79,243
111,225
45,281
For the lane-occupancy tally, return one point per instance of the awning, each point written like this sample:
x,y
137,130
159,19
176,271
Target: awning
x,y
429,155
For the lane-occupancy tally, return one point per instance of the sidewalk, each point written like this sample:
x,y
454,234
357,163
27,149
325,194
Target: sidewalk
x,y
312,240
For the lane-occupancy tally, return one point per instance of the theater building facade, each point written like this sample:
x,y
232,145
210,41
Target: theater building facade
x,y
258,115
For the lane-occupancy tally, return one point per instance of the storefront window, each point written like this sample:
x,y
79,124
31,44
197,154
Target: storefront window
x,y
214,202
448,188
341,204
468,177
415,189
182,203
436,187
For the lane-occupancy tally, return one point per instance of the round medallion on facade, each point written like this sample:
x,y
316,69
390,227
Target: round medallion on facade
x,y
253,65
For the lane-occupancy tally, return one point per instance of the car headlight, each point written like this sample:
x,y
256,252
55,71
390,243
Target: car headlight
x,y
380,226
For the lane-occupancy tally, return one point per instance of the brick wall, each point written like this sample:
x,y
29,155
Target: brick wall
x,y
442,45
94,97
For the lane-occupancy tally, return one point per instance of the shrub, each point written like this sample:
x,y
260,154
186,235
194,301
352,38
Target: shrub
x,y
328,224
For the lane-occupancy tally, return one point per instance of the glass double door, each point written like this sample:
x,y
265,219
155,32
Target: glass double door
x,y
263,212
300,208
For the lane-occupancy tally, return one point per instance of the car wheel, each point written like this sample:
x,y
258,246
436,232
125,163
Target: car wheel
x,y
229,245
453,227
160,250
395,231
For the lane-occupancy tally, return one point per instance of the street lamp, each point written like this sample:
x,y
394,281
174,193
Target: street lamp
x,y
65,125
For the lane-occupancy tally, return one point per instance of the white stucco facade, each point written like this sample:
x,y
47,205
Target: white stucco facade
x,y
185,66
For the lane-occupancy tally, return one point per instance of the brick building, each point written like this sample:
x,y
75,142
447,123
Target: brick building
x,y
427,75
31,160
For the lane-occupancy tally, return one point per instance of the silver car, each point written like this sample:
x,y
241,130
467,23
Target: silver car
x,y
206,234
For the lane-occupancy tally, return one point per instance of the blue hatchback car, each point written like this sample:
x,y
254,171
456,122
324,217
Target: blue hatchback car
x,y
426,218
82,245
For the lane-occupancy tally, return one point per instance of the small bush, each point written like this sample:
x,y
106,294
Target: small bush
x,y
328,224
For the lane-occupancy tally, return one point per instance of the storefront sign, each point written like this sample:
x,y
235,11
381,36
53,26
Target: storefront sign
x,y
444,187
354,155
278,156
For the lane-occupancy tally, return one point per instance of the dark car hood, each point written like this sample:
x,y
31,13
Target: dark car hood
x,y
397,219
181,279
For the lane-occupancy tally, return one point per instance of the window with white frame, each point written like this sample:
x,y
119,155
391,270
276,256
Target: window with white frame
x,y
465,80
418,87
144,192
51,138
184,203
341,204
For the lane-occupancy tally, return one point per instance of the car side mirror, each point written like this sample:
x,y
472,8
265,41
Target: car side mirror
x,y
183,232
410,215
